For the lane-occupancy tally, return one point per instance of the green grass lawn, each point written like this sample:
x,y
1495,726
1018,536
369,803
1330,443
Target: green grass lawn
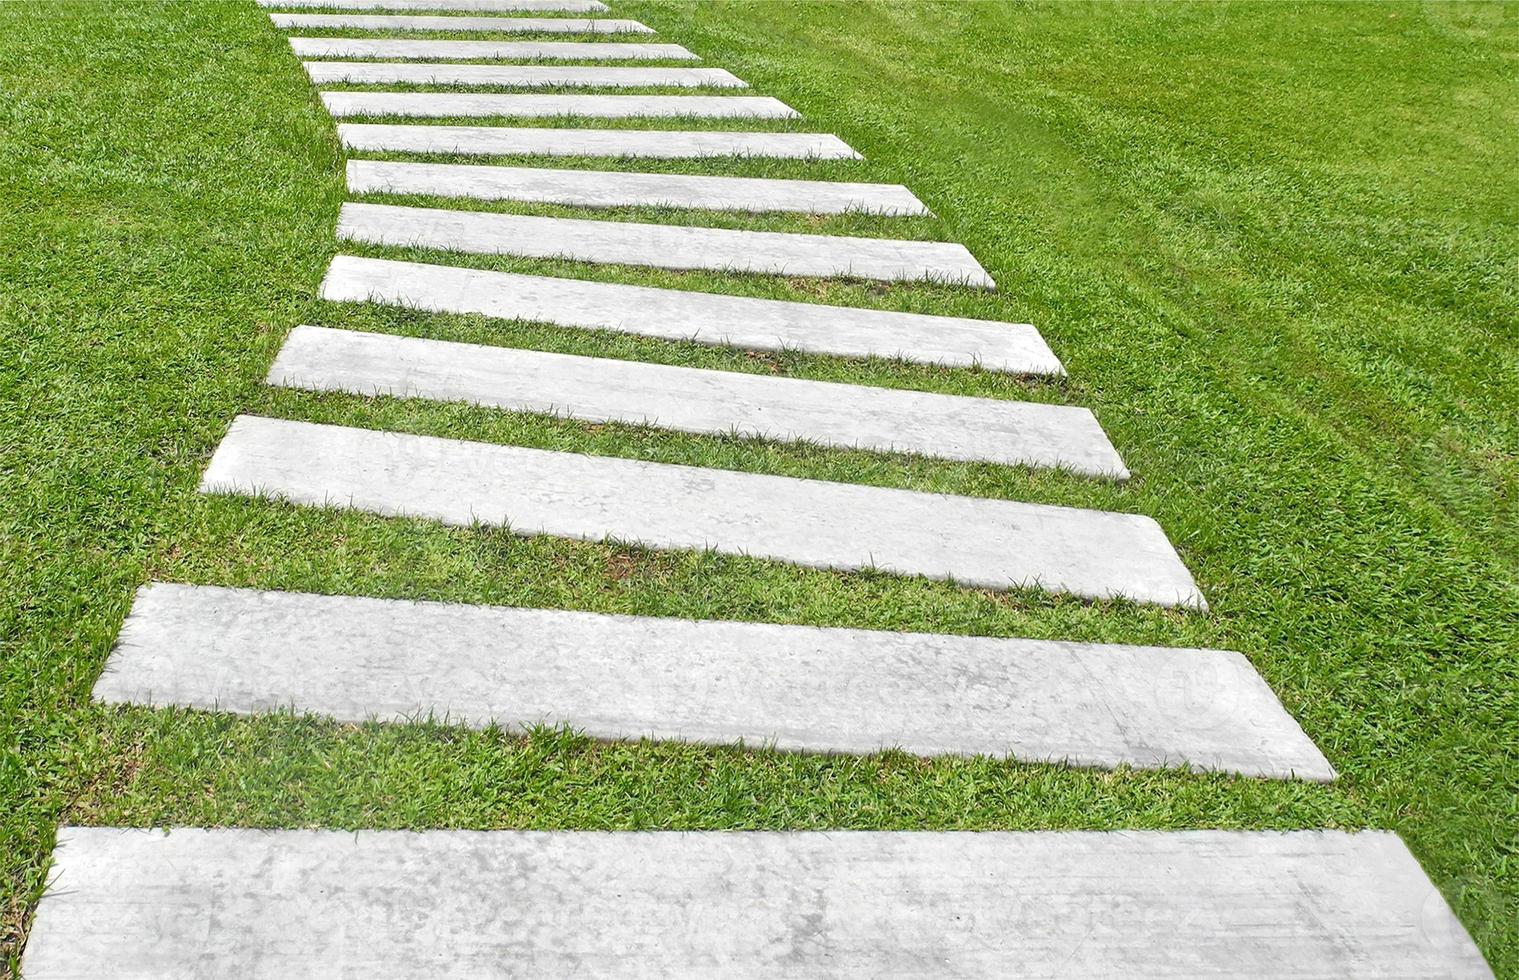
x,y
1275,246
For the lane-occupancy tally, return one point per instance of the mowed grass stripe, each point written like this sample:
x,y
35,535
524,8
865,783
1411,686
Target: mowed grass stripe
x,y
354,47
693,400
663,246
985,543
708,318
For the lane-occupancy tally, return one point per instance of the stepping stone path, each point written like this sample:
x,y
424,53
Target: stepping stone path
x,y
796,687
691,400
390,73
708,318
659,144
270,905
275,904
426,104
604,189
661,246
984,543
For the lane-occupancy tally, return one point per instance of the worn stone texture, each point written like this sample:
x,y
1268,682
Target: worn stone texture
x,y
655,144
612,188
358,47
983,543
275,905
662,246
481,6
692,400
522,76
496,25
626,677
708,318
344,105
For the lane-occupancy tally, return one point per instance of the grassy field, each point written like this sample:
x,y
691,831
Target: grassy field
x,y
1276,248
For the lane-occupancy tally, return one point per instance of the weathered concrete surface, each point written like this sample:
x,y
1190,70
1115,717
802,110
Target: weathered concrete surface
x,y
357,47
692,400
495,25
708,318
994,544
461,905
522,76
444,104
626,677
613,188
659,144
568,6
662,246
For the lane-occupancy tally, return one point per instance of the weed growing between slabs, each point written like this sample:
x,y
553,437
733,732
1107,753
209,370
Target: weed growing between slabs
x,y
1274,252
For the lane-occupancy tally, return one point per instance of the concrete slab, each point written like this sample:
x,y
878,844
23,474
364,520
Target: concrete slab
x,y
443,104
707,318
662,246
494,25
659,144
691,400
627,677
613,188
994,544
521,76
357,47
462,905
567,6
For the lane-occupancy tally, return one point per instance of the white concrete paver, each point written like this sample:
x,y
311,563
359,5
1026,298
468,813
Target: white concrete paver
x,y
978,542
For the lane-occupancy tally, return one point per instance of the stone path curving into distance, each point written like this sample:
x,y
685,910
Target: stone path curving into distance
x,y
382,904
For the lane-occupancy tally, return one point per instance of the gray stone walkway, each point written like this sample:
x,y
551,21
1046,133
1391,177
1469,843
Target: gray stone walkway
x,y
522,76
625,677
446,104
612,188
662,144
494,25
978,542
450,904
691,400
456,905
662,246
356,47
707,318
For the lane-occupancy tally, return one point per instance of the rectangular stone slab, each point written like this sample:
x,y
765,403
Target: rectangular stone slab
x,y
133,904
613,188
442,104
707,318
569,6
660,144
358,47
495,25
982,543
522,76
798,688
661,246
692,400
